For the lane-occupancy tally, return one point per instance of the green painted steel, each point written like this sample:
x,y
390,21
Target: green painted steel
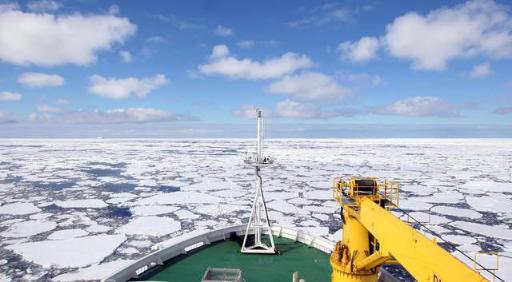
x,y
312,264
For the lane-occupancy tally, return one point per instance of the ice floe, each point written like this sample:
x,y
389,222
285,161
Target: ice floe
x,y
75,252
94,272
459,212
152,210
480,186
28,228
184,214
179,198
19,209
151,226
67,234
85,203
284,207
495,231
319,195
490,204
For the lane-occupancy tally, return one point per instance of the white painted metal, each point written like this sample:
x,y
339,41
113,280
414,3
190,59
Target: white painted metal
x,y
259,223
183,244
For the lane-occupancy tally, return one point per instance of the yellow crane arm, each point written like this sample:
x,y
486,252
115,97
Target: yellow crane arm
x,y
422,257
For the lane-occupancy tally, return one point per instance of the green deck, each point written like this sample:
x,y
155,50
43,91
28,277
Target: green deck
x,y
312,264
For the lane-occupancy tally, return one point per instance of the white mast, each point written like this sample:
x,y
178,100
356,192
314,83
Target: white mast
x,y
259,222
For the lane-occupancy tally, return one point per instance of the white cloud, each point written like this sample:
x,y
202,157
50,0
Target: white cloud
x,y
49,40
293,109
10,96
246,44
126,56
480,70
223,64
128,115
420,106
34,79
324,14
219,51
364,49
223,31
113,9
311,86
121,88
47,109
44,6
478,27
361,78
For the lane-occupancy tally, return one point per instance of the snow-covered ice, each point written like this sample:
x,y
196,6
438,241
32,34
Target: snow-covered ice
x,y
459,212
85,203
496,231
28,228
152,210
94,272
67,234
19,209
179,198
76,252
150,225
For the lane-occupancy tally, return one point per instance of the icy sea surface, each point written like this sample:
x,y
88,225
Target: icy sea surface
x,y
77,209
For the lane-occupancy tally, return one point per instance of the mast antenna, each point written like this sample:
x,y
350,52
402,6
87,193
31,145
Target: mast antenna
x,y
259,223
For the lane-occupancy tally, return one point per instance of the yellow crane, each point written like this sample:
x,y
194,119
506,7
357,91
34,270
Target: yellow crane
x,y
373,236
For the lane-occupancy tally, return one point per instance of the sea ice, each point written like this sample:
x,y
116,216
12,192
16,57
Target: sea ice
x,y
19,209
98,228
284,207
445,197
319,195
427,218
75,252
321,216
140,243
28,228
67,234
321,209
207,184
94,272
479,186
494,231
416,203
179,198
184,214
279,195
490,204
150,225
459,212
152,210
459,239
85,203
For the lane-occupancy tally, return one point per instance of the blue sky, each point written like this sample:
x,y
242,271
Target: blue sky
x,y
93,68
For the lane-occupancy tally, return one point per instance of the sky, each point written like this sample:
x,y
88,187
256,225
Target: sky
x,y
200,68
